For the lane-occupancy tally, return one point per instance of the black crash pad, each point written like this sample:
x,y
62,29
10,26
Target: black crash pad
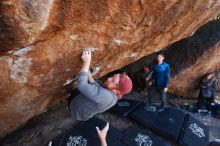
x,y
137,137
85,134
124,107
168,123
118,143
195,133
143,116
216,111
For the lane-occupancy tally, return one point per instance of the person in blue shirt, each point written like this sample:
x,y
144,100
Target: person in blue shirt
x,y
161,80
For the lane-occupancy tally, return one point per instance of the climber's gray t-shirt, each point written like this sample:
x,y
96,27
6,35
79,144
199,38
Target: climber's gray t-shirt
x,y
92,99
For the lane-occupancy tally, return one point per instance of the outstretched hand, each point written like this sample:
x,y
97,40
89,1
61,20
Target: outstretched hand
x,y
102,134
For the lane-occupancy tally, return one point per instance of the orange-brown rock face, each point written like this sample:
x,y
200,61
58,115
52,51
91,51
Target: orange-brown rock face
x,y
195,57
187,82
190,59
40,44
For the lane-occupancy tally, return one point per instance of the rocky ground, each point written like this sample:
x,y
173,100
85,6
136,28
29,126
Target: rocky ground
x,y
41,129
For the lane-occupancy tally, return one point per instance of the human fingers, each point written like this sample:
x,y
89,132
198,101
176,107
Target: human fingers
x,y
106,128
98,130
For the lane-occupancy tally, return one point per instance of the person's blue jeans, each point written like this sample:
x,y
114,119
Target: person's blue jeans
x,y
156,91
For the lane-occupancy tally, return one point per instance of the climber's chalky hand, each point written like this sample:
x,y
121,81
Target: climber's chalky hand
x,y
86,57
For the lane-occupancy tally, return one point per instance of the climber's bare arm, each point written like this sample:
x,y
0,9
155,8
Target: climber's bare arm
x,y
86,58
83,85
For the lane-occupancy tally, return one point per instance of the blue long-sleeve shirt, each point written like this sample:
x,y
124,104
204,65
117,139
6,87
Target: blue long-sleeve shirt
x,y
161,75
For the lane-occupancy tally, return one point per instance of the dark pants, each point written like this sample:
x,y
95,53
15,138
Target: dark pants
x,y
154,92
140,80
205,102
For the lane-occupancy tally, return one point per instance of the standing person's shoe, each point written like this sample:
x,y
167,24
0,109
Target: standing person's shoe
x,y
203,111
161,109
150,108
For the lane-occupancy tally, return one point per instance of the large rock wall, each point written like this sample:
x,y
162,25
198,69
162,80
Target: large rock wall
x,y
41,41
190,60
197,56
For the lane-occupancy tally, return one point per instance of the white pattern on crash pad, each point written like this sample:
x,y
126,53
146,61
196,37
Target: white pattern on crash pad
x,y
143,140
76,141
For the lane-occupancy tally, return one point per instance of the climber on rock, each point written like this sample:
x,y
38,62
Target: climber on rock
x,y
161,79
94,98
